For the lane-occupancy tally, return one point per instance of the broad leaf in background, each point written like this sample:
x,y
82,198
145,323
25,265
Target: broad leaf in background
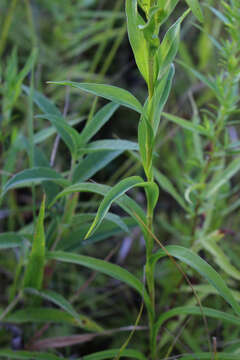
x,y
35,267
112,93
27,355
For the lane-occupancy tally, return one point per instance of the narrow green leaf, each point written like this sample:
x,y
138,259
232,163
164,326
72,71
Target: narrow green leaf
x,y
57,299
136,38
168,49
68,134
104,267
22,355
42,102
196,9
97,122
202,267
112,93
33,176
194,310
161,93
125,202
10,240
103,145
224,177
188,125
110,354
35,267
93,163
116,192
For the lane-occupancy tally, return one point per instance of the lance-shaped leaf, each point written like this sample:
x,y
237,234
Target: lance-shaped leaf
x,y
57,299
125,202
202,267
112,93
159,99
196,9
136,38
68,134
35,267
115,271
97,122
186,124
169,47
35,175
104,145
116,192
42,102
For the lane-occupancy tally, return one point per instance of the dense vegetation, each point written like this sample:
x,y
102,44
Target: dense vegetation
x,y
119,179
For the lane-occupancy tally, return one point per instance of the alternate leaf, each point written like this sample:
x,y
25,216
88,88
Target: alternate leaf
x,y
116,192
112,93
168,49
136,38
125,202
104,145
35,267
159,99
188,125
104,267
